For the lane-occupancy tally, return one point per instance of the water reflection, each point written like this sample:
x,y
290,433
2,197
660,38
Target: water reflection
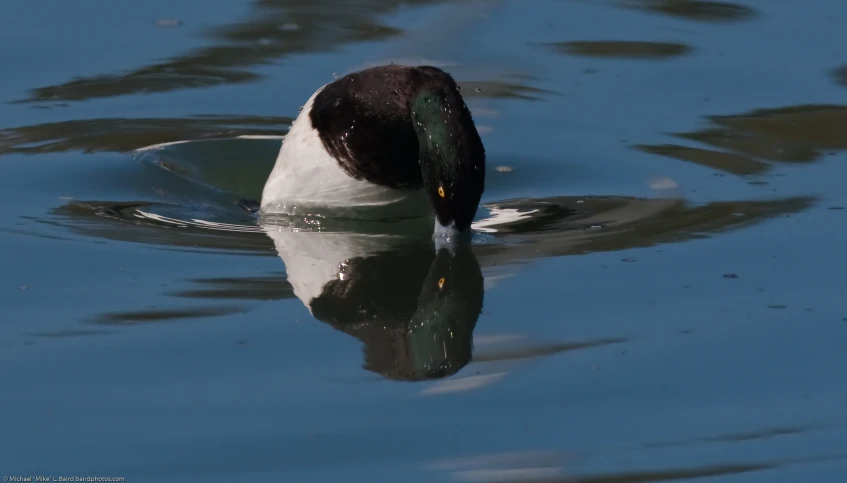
x,y
413,309
530,228
516,350
747,143
126,134
121,221
766,433
165,315
271,287
719,160
580,225
559,475
276,28
622,49
695,10
554,467
501,90
840,75
741,144
381,281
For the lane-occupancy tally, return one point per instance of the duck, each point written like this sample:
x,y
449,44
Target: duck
x,y
391,137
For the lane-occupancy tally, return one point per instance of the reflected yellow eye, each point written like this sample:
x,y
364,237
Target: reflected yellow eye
x,y
441,193
441,283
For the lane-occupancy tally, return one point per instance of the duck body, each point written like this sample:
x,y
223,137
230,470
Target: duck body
x,y
391,137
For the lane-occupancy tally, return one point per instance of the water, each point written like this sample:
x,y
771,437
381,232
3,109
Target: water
x,y
655,291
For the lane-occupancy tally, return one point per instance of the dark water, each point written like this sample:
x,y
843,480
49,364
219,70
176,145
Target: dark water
x,y
656,291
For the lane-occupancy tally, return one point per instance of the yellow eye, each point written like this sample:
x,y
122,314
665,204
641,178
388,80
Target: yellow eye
x,y
441,191
441,283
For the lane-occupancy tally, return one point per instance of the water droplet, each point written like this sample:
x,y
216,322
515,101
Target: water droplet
x,y
300,109
335,75
478,89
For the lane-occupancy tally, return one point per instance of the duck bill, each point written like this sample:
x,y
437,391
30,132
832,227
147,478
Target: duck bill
x,y
448,236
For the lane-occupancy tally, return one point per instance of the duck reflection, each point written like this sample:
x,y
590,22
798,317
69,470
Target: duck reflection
x,y
413,309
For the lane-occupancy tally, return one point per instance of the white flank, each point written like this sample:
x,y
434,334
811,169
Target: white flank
x,y
306,175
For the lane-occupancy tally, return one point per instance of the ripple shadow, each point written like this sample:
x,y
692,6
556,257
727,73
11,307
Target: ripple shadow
x,y
274,29
621,49
750,143
695,10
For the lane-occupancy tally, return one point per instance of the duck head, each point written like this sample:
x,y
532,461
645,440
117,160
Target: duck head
x,y
451,153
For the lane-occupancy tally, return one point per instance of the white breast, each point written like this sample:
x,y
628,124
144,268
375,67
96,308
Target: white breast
x,y
306,175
